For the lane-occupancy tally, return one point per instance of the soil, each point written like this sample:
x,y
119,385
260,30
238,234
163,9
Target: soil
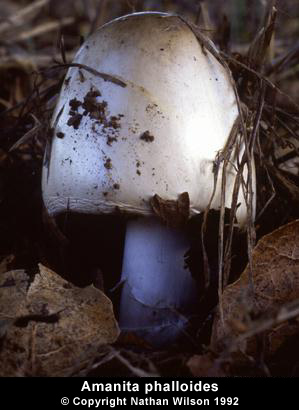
x,y
147,137
74,120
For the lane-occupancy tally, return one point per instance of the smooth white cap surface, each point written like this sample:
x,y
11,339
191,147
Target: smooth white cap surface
x,y
117,146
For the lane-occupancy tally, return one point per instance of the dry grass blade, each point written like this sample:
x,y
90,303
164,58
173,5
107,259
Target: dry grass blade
x,y
266,80
283,60
31,61
258,50
29,135
22,15
136,371
42,29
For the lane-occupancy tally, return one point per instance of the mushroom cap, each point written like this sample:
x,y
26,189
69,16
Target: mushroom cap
x,y
152,124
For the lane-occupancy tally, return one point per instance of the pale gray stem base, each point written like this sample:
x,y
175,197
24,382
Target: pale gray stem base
x,y
159,293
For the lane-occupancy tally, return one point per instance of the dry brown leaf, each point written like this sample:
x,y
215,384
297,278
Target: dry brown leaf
x,y
276,289
174,213
127,338
205,366
50,327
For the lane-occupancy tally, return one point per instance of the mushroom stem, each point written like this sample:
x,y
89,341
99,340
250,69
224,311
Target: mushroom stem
x,y
159,292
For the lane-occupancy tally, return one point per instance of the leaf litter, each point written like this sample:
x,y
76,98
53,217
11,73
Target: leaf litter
x,y
268,122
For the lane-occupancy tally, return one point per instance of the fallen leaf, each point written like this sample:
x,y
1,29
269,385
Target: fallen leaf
x,y
174,213
51,327
274,300
205,366
127,338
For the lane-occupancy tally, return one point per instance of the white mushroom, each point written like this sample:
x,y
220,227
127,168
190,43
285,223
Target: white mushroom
x,y
150,123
